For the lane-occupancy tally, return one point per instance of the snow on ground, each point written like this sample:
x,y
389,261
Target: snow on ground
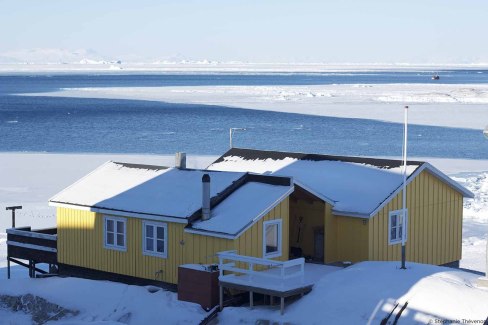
x,y
102,302
475,225
365,293
451,105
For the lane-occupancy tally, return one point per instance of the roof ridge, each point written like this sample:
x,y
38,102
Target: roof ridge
x,y
266,154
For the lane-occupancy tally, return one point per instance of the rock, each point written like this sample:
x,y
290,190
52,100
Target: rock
x,y
39,308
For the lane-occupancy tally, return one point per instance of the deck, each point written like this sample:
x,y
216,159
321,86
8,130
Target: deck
x,y
35,246
268,277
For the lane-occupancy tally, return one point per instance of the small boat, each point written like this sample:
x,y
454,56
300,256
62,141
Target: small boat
x,y
435,77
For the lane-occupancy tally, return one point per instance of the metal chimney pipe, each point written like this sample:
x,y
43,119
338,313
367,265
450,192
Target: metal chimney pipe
x,y
180,160
205,197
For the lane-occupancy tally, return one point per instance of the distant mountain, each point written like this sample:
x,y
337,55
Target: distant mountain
x,y
54,56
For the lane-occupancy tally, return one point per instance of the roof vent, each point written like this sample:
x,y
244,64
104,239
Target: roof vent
x,y
205,197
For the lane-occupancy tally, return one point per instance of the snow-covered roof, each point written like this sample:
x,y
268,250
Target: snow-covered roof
x,y
144,189
243,208
354,186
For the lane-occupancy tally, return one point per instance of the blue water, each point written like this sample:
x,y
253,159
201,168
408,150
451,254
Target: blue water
x,y
54,124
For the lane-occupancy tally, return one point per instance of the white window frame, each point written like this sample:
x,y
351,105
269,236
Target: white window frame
x,y
398,214
114,246
280,238
155,253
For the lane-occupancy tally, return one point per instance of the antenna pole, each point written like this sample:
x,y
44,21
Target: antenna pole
x,y
230,137
404,191
231,133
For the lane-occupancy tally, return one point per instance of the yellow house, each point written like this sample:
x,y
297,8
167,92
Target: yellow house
x,y
130,222
349,208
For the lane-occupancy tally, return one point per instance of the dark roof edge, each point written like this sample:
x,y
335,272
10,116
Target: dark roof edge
x,y
254,154
141,166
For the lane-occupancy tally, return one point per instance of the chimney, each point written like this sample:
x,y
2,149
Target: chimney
x,y
180,160
205,197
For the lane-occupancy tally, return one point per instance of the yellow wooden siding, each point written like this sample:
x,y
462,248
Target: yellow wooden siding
x,y
80,243
202,249
331,240
435,224
352,239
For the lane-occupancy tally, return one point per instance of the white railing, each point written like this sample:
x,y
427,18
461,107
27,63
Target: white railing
x,y
272,269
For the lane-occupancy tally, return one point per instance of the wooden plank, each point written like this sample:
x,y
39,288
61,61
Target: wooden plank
x,y
31,254
425,213
435,229
32,240
33,234
276,293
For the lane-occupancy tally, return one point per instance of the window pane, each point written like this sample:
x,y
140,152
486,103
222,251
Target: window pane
x,y
110,225
160,246
160,232
393,235
120,240
149,244
149,231
120,227
393,221
271,238
110,238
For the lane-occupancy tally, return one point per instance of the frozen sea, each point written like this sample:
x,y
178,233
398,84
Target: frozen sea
x,y
95,125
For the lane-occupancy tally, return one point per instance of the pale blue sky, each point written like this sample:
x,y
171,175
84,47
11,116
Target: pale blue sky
x,y
416,31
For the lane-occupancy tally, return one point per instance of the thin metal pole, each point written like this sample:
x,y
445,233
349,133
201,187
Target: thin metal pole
x,y
230,138
404,192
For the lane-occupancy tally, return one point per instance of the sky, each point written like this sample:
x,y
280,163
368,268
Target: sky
x,y
345,31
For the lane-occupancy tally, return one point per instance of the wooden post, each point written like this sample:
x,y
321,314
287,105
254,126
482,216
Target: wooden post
x,y
282,307
8,267
221,298
271,300
251,299
13,208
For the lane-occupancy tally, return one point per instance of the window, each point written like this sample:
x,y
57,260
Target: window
x,y
396,225
155,239
272,238
115,230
